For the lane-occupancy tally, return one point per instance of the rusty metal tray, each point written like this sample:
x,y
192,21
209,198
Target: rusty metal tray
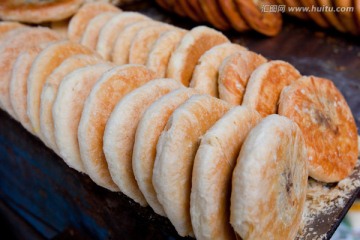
x,y
44,198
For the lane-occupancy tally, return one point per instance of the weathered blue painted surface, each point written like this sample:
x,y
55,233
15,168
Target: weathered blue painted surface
x,y
49,195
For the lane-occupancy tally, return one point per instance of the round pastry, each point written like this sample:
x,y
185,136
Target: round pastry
x,y
92,31
143,42
87,12
104,96
265,22
67,108
269,181
14,43
206,73
175,153
44,64
50,89
234,73
151,124
111,30
161,51
328,126
121,52
38,11
212,173
194,44
265,85
120,130
233,15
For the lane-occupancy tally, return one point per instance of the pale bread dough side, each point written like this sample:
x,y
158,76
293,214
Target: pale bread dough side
x,y
206,73
213,167
269,181
151,125
49,92
68,105
175,153
120,130
104,96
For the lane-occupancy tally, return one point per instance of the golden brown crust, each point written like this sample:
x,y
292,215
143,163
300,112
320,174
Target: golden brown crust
x,y
120,54
195,4
296,3
265,85
18,85
108,34
194,44
330,16
357,13
143,41
106,93
92,31
212,173
48,59
232,14
177,8
234,74
269,181
165,4
38,11
19,40
347,17
161,51
206,73
327,123
214,14
50,89
151,125
189,11
120,130
176,151
315,16
87,12
67,109
267,23
6,27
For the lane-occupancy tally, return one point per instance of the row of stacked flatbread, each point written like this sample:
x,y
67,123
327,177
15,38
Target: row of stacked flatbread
x,y
265,16
179,149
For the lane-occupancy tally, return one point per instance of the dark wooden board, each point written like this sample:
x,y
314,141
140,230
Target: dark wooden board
x,y
45,198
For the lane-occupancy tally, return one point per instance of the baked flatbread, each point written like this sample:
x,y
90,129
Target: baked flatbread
x,y
122,46
194,44
327,123
87,12
150,126
16,42
212,173
68,105
112,28
104,96
45,63
92,30
37,11
265,85
269,181
50,89
18,85
143,42
120,130
175,153
161,51
234,73
206,73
